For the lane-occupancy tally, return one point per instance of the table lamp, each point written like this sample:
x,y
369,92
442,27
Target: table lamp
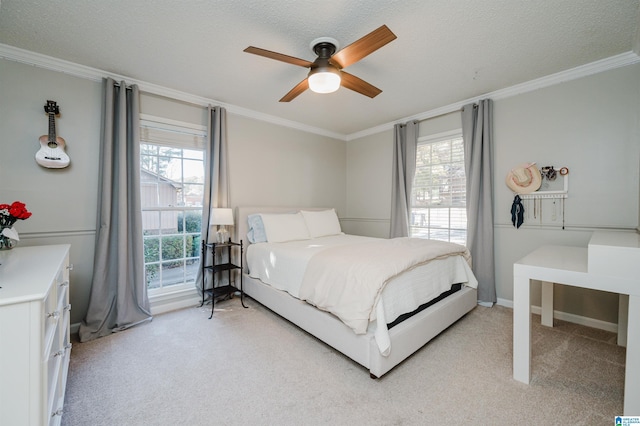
x,y
221,217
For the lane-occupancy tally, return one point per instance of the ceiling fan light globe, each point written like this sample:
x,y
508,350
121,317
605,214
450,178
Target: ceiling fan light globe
x,y
324,81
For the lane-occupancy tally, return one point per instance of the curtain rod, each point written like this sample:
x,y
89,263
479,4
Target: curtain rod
x,y
440,115
119,85
475,105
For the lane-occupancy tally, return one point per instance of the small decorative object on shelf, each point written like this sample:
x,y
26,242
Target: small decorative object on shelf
x,y
221,261
9,214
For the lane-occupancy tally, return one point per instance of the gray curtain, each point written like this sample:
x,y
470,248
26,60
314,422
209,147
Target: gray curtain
x,y
405,141
118,298
216,181
477,129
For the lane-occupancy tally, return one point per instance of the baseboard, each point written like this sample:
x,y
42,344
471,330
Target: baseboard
x,y
564,316
167,303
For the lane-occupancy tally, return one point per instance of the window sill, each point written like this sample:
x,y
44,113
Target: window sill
x,y
172,300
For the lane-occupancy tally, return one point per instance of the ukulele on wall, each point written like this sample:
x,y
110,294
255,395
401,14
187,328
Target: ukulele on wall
x,y
51,153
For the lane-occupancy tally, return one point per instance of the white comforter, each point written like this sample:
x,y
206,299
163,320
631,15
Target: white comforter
x,y
347,281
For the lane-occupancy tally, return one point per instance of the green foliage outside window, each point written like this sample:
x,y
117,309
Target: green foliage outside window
x,y
192,222
172,248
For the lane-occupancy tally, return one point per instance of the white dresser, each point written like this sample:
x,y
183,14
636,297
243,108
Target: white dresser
x,y
34,334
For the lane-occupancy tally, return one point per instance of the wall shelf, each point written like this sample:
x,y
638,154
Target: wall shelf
x,y
551,194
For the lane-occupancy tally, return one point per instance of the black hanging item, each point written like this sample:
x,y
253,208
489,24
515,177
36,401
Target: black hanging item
x,y
517,212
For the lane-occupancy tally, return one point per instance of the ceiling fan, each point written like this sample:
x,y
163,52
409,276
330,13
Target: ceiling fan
x,y
326,73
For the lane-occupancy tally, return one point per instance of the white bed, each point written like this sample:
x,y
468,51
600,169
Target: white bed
x,y
378,349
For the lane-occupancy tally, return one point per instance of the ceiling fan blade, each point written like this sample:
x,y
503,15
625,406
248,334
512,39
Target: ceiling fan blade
x,y
278,56
363,47
357,84
293,93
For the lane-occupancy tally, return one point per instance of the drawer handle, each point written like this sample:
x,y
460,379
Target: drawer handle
x,y
67,346
58,412
70,267
67,308
64,283
59,353
54,315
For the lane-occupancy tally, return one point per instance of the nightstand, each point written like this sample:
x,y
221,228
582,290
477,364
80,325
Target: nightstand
x,y
218,266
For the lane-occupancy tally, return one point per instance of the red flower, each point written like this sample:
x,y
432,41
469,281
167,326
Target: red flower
x,y
10,213
19,210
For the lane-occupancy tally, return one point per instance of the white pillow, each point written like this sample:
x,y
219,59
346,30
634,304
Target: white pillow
x,y
322,223
285,227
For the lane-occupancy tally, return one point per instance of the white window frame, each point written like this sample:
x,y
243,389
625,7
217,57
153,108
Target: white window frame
x,y
181,135
432,139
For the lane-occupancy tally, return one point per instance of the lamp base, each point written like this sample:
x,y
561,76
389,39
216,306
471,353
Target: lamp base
x,y
222,235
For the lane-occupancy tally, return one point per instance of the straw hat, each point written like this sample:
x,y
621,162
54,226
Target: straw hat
x,y
524,179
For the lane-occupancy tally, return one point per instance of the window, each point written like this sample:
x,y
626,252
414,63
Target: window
x,y
438,197
171,189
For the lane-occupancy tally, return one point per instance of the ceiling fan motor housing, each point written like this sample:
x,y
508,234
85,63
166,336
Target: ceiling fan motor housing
x,y
323,41
324,49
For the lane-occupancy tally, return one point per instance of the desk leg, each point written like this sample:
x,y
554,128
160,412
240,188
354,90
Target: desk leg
x,y
547,303
521,329
632,366
623,320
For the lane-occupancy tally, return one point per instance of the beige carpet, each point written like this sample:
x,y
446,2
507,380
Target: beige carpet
x,y
251,367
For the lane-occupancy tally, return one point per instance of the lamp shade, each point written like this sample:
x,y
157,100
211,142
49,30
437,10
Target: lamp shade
x,y
324,79
221,216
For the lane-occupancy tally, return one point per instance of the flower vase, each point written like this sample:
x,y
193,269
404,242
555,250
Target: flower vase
x,y
7,243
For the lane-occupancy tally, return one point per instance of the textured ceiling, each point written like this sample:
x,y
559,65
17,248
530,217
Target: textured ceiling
x,y
446,51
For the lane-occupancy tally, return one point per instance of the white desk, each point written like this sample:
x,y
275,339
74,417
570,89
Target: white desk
x,y
610,263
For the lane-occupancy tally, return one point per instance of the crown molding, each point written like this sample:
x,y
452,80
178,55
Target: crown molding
x,y
617,61
94,74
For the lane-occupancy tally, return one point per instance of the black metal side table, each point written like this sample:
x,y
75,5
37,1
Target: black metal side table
x,y
215,267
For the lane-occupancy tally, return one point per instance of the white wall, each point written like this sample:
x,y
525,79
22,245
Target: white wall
x,y
369,165
591,125
269,164
278,166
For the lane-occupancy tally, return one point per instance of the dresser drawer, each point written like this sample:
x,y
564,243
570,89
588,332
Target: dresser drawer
x,y
58,389
55,303
52,366
56,299
50,316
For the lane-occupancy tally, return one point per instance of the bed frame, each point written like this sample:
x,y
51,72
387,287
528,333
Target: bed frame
x,y
406,337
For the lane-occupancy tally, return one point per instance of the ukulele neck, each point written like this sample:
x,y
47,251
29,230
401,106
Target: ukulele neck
x,y
52,128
